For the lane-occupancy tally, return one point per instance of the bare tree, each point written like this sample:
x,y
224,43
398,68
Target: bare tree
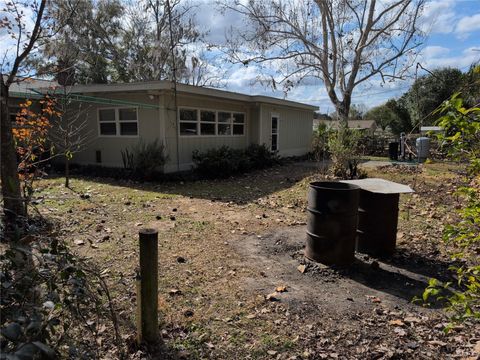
x,y
343,42
200,72
69,134
25,41
148,43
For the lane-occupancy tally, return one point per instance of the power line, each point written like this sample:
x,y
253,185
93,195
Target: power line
x,y
368,94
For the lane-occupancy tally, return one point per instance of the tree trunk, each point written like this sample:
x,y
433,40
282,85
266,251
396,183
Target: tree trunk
x,y
12,199
67,173
343,110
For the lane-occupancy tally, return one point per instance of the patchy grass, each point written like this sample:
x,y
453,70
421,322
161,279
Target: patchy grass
x,y
219,311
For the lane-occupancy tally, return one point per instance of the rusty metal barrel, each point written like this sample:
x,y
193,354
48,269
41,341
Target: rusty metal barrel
x,y
377,223
332,222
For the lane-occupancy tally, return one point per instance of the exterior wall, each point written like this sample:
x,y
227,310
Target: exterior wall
x,y
111,147
187,144
254,130
295,129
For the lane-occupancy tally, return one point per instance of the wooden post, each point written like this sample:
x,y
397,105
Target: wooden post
x,y
148,293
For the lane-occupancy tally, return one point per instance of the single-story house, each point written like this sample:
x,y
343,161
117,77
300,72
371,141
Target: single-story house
x,y
197,118
26,89
424,130
368,126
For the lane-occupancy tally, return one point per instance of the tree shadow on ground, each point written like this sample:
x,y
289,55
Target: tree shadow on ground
x,y
405,283
389,279
240,189
427,266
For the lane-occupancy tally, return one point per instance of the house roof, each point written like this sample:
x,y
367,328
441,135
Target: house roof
x,y
187,89
25,87
31,87
431,128
352,124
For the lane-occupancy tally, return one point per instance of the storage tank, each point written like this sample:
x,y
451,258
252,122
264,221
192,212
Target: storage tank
x,y
423,148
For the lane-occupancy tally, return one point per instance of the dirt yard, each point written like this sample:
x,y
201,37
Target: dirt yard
x,y
233,282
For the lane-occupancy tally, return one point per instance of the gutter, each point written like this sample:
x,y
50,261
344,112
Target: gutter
x,y
99,100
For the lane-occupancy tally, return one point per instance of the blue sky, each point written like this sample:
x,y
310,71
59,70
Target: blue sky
x,y
454,40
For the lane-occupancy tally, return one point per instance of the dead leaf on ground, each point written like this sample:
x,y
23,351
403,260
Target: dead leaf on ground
x,y
281,289
174,292
476,348
374,299
272,297
412,319
396,322
301,268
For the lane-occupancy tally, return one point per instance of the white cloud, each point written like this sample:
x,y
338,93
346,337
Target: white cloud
x,y
459,59
243,77
467,25
434,51
218,23
8,45
439,17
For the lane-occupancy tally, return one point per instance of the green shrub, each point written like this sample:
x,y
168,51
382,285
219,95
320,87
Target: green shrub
x,y
343,146
320,141
461,138
145,160
259,157
224,161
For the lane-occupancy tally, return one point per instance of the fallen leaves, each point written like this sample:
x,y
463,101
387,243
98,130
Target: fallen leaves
x,y
174,292
412,319
399,331
272,297
396,322
374,299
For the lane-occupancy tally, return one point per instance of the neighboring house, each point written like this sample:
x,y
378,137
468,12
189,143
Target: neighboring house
x,y
426,130
368,126
198,118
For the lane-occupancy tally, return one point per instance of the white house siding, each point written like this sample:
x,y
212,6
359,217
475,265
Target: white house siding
x,y
294,132
187,144
254,124
111,147
295,129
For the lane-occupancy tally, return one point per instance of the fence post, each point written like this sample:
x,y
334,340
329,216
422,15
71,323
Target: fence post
x,y
147,295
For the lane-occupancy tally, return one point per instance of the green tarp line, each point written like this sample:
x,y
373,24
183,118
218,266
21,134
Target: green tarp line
x,y
84,98
23,95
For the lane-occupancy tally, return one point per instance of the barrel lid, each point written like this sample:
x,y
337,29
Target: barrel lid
x,y
380,186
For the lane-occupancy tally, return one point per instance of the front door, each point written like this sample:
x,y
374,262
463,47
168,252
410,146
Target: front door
x,y
274,137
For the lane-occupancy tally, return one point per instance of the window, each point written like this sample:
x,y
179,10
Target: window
x,y
224,123
118,122
207,122
128,121
188,122
211,123
12,113
238,124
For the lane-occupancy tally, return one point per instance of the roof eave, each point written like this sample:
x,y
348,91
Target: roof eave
x,y
189,90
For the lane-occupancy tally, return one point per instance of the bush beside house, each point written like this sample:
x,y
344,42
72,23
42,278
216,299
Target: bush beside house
x,y
224,161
